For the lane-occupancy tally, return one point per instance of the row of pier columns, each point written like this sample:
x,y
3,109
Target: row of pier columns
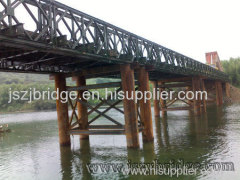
x,y
198,104
129,105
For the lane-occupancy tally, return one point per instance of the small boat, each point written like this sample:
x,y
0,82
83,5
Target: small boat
x,y
4,128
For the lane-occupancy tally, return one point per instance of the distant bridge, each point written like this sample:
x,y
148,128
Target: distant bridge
x,y
44,36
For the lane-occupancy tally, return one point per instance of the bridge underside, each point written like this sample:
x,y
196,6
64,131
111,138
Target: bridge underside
x,y
23,56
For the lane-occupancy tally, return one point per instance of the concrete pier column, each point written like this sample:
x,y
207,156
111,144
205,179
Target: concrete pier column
x,y
62,111
189,88
82,110
145,107
130,108
204,102
219,93
196,86
163,102
227,89
156,102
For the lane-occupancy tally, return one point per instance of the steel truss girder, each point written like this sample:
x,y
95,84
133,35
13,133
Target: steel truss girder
x,y
58,25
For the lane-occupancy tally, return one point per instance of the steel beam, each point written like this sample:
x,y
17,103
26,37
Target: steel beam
x,y
163,85
94,86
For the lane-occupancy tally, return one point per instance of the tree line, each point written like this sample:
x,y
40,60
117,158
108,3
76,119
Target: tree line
x,y
19,85
232,69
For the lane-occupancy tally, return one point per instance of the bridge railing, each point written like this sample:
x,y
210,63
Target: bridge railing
x,y
58,25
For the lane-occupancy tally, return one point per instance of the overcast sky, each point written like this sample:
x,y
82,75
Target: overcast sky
x,y
191,27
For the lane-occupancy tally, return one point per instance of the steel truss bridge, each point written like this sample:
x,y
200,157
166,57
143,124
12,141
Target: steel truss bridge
x,y
45,36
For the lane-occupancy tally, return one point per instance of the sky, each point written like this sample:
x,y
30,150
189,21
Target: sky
x,y
190,27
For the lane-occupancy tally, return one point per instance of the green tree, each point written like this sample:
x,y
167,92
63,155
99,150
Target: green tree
x,y
232,69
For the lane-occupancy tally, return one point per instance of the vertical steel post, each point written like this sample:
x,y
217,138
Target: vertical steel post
x,y
82,110
130,109
62,111
196,85
227,89
163,102
219,93
156,100
145,105
190,102
203,88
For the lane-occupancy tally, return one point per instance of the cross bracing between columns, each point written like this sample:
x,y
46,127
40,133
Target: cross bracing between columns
x,y
169,104
116,127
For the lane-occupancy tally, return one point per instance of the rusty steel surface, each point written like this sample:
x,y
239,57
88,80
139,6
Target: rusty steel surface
x,y
53,37
130,109
62,112
145,107
156,102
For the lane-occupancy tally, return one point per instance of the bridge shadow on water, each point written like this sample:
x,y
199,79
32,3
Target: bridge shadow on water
x,y
180,137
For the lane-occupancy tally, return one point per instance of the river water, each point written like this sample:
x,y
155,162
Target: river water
x,y
31,150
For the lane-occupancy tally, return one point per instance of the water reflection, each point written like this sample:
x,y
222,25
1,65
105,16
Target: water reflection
x,y
148,151
198,141
162,132
158,132
198,124
85,157
32,149
134,155
66,157
73,162
165,131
